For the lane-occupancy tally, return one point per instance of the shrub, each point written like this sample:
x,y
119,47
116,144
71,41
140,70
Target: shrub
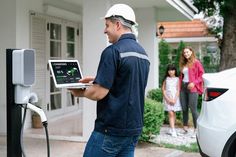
x,y
206,60
155,94
153,119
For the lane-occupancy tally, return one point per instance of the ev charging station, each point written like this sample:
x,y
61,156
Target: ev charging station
x,y
20,76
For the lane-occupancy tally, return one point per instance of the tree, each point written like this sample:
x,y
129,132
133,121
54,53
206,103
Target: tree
x,y
179,50
164,51
226,9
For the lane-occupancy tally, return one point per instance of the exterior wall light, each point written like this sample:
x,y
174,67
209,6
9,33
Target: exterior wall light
x,y
161,30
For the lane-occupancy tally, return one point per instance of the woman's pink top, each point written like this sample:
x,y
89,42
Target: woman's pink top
x,y
195,75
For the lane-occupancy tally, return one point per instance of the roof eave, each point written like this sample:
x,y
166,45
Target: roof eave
x,y
185,7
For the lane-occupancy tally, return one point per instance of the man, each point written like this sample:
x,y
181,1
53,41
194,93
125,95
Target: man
x,y
118,88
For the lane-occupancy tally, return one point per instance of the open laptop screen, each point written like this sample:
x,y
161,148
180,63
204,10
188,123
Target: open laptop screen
x,y
66,72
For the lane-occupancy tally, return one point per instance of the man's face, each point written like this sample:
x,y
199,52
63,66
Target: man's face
x,y
111,31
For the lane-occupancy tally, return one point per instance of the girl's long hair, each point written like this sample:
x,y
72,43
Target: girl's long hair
x,y
170,67
186,62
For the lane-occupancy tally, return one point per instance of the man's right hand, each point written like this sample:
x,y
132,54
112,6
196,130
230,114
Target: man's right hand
x,y
77,92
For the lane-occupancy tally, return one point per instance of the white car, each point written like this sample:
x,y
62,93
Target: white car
x,y
216,125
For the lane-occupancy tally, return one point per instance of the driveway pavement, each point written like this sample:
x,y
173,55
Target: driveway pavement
x,y
37,148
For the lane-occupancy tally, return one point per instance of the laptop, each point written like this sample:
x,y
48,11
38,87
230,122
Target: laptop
x,y
66,74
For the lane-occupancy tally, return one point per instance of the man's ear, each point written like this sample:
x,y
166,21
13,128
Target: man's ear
x,y
118,25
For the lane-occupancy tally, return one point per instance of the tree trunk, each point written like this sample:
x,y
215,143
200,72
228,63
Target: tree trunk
x,y
228,51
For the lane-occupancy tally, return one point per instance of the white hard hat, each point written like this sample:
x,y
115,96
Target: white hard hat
x,y
122,10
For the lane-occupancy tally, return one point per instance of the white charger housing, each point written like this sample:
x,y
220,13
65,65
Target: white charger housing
x,y
23,72
23,75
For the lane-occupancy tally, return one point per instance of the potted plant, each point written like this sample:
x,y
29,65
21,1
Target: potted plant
x,y
36,120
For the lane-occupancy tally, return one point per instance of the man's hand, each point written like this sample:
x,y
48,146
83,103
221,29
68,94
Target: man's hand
x,y
87,79
77,92
80,92
93,92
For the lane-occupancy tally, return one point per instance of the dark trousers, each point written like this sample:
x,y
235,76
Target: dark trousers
x,y
188,100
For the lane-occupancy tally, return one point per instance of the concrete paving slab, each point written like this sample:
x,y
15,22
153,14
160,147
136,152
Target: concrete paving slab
x,y
38,148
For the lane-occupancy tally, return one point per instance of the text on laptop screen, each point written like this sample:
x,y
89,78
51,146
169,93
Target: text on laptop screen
x,y
66,72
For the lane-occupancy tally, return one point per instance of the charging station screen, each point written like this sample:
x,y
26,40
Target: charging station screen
x,y
66,72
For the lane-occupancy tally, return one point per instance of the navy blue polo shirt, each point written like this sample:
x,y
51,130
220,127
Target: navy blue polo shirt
x,y
123,69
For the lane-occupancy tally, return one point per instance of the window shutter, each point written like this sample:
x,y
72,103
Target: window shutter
x,y
38,42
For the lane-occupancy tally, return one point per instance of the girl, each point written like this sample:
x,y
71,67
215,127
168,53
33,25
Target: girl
x,y
170,89
191,84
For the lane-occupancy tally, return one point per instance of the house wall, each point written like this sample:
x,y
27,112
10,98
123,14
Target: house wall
x,y
147,37
94,41
23,20
169,14
147,19
7,40
14,33
93,35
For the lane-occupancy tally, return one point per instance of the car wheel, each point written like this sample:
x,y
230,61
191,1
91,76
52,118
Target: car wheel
x,y
232,150
229,149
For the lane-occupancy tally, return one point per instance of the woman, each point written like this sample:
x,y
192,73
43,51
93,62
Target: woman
x,y
191,83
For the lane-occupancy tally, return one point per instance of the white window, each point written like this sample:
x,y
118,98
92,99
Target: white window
x,y
53,38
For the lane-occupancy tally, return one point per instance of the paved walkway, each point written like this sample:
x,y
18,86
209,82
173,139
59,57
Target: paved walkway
x,y
181,139
37,147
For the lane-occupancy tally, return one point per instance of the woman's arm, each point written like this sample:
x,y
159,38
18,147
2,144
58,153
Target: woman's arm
x,y
198,72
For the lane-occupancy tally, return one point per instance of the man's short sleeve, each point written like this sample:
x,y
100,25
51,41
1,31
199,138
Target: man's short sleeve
x,y
107,68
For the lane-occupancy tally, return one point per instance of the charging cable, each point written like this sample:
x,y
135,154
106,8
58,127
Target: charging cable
x,y
22,133
43,120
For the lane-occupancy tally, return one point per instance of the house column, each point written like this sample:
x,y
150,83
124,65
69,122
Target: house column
x,y
94,41
147,38
7,40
